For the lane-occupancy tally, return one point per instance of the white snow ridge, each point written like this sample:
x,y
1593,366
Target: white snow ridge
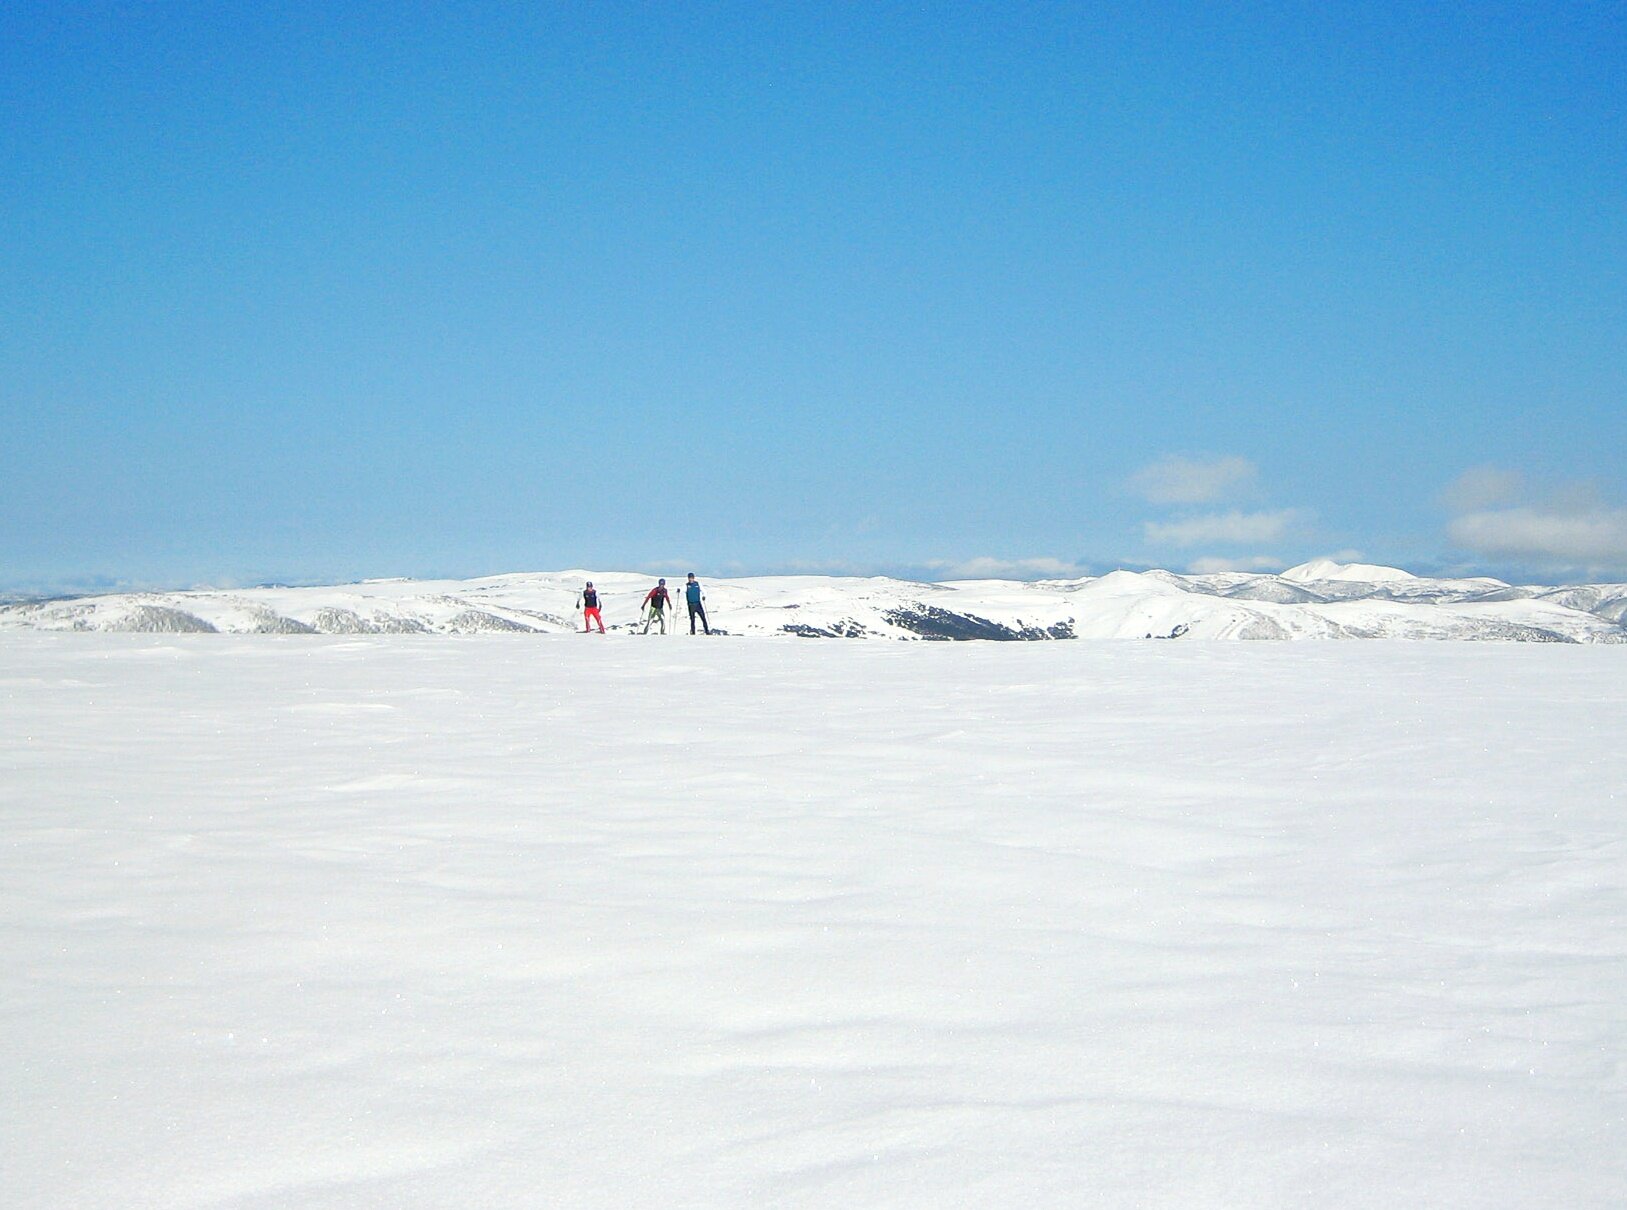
x,y
1327,569
1321,599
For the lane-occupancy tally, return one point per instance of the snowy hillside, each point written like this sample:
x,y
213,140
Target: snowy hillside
x,y
1326,569
369,923
1323,600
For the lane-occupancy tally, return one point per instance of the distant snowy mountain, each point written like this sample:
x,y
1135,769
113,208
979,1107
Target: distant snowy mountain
x,y
1317,600
1327,569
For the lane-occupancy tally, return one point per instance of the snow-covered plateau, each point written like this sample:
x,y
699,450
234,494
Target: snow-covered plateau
x,y
1317,600
379,923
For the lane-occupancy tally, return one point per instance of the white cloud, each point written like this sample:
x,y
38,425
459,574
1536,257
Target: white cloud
x,y
1233,527
988,568
1482,487
1596,537
1211,564
808,567
1176,480
1570,525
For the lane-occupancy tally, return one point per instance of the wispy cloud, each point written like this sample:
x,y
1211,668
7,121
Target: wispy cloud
x,y
1570,526
1177,480
980,567
808,567
986,567
1596,538
1239,528
1211,564
1482,487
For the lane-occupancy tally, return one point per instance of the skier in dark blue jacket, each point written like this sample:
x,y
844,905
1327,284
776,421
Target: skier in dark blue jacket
x,y
696,603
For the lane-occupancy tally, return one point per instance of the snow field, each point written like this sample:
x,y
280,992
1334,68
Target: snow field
x,y
558,921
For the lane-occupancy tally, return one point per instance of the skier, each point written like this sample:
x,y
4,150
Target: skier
x,y
695,601
655,606
588,603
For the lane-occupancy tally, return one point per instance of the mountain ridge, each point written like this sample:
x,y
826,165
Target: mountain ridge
x,y
1350,601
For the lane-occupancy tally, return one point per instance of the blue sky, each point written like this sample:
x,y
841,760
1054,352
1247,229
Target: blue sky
x,y
322,292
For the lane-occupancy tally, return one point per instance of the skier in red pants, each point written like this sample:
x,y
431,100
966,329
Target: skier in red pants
x,y
588,603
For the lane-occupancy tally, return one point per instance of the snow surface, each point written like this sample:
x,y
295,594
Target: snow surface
x,y
395,921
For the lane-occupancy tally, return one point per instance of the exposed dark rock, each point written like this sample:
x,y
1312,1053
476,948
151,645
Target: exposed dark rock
x,y
930,622
267,622
161,619
474,621
1274,591
345,621
839,630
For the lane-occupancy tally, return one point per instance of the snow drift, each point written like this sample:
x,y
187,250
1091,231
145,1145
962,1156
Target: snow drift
x,y
381,924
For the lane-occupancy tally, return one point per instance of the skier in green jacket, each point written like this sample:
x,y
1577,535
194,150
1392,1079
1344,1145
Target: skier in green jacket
x,y
655,606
